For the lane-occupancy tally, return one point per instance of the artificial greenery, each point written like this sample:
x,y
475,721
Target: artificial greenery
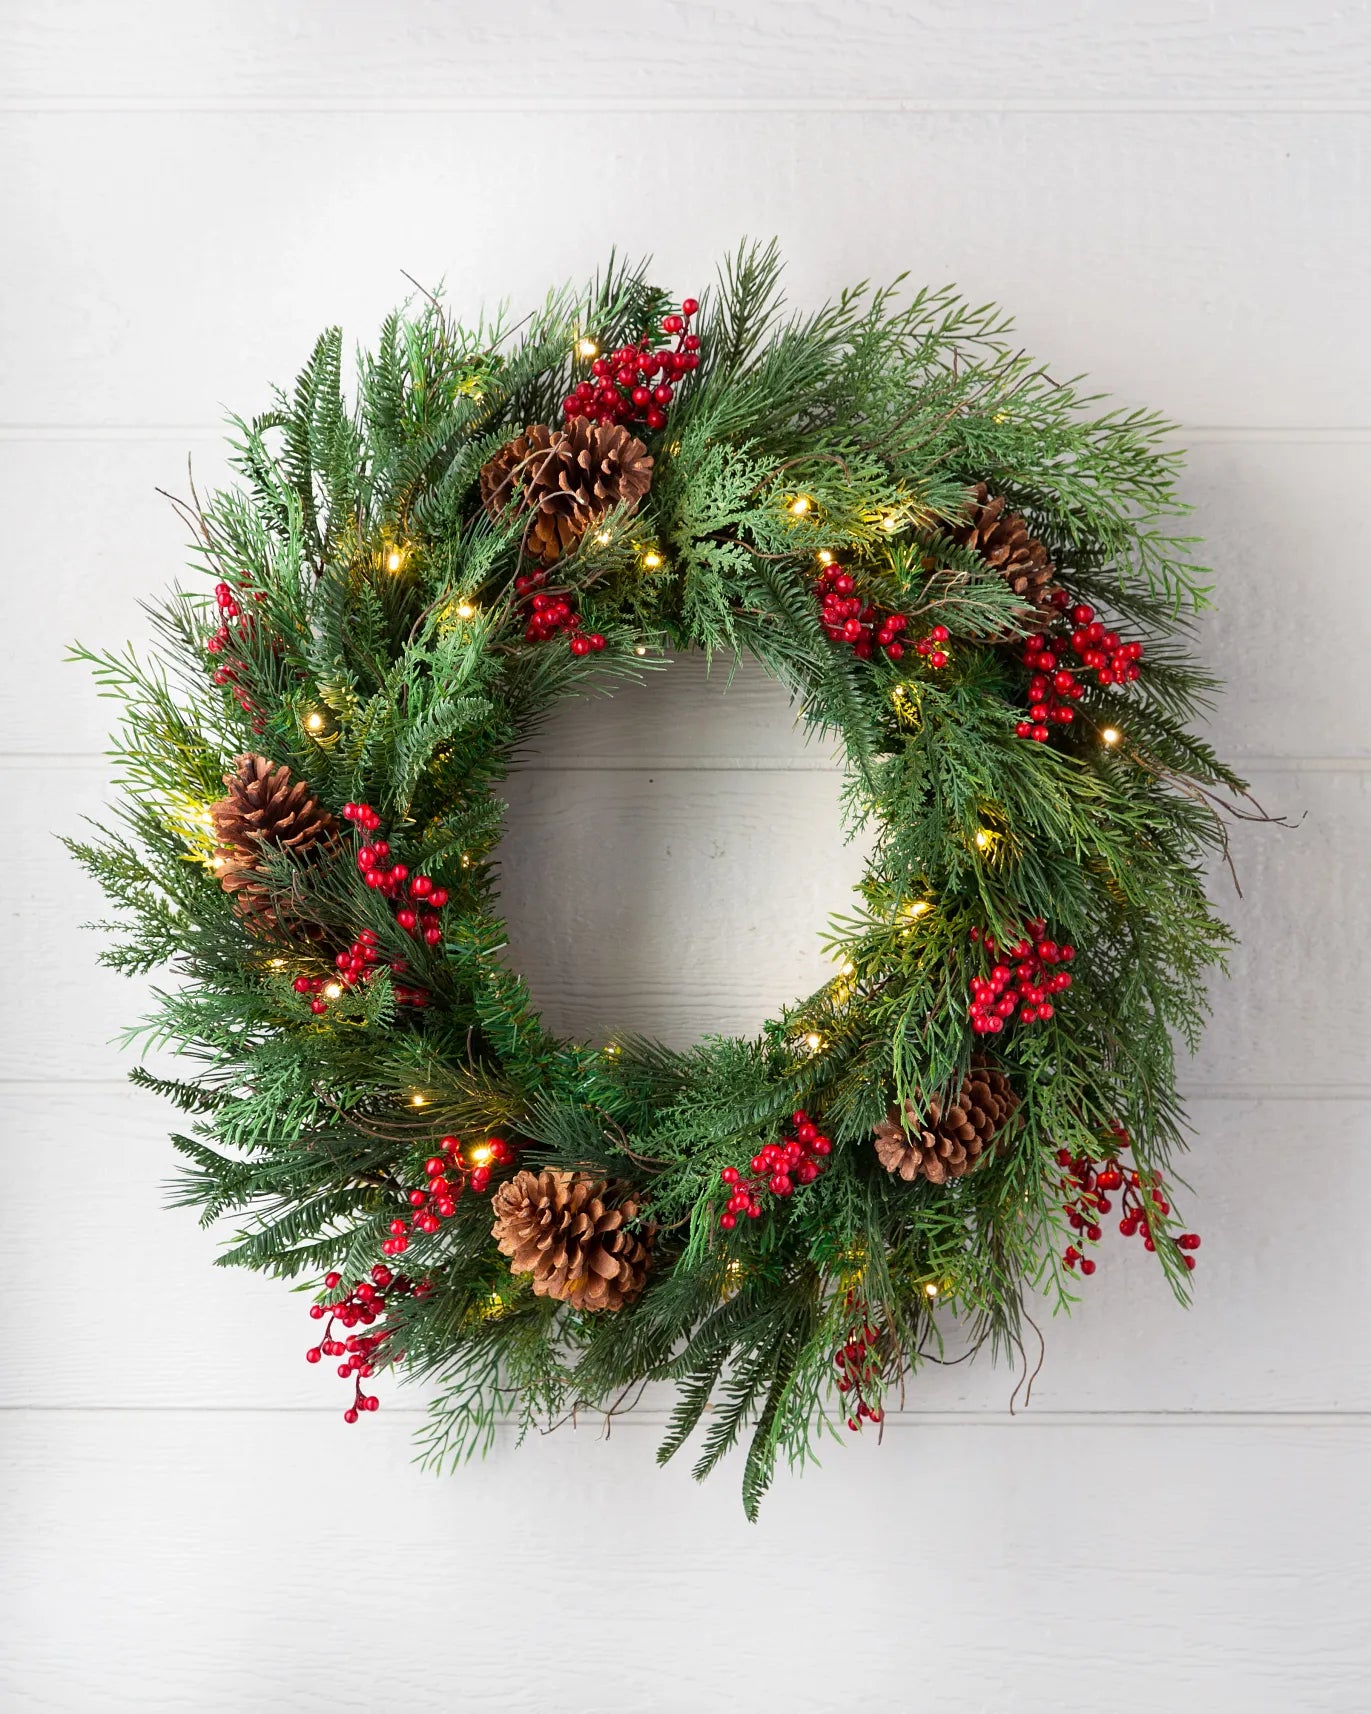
x,y
387,663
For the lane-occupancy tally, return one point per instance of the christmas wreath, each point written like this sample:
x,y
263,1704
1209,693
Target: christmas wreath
x,y
963,576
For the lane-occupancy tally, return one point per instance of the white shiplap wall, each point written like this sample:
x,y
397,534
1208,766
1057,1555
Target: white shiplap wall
x,y
1170,196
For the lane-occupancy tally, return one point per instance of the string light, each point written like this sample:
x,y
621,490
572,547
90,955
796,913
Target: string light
x,y
984,839
276,963
466,859
481,1154
652,560
418,1100
612,1050
848,968
853,1258
394,560
890,522
465,610
586,347
640,649
824,557
917,908
603,538
314,722
332,991
813,1042
1110,736
930,1290
800,505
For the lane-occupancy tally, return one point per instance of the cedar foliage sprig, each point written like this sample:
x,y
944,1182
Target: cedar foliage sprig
x,y
382,601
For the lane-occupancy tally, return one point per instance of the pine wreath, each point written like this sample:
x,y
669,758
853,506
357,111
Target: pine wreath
x,y
968,581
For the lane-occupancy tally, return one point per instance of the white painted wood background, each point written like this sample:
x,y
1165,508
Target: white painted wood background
x,y
1172,197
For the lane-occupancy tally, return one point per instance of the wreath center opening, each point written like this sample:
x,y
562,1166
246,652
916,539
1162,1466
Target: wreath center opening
x,y
672,855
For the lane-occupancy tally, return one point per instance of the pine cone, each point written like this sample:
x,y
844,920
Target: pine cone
x,y
567,1229
265,806
1002,540
264,809
568,479
943,1144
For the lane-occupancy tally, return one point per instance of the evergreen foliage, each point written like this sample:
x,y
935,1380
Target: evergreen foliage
x,y
883,410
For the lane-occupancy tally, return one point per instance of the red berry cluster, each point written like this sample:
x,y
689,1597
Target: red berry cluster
x,y
1102,652
776,1167
932,647
1023,986
858,1374
846,618
313,985
418,912
233,622
635,384
362,1306
448,1175
1053,686
1084,1184
551,615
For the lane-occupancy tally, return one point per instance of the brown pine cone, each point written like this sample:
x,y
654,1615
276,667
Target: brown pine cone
x,y
942,1143
1001,538
568,479
264,809
265,806
568,1230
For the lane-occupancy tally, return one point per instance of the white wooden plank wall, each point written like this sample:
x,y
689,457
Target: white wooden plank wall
x,y
1171,196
